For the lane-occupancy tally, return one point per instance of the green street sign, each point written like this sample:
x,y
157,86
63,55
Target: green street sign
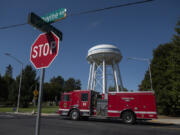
x,y
42,25
55,16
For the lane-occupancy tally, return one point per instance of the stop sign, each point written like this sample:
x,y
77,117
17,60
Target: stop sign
x,y
44,50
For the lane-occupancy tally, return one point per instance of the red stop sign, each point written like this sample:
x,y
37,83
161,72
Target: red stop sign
x,y
44,50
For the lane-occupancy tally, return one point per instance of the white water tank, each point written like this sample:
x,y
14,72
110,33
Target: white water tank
x,y
99,57
106,52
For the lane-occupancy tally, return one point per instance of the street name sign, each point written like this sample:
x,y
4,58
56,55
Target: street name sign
x,y
37,22
44,50
55,16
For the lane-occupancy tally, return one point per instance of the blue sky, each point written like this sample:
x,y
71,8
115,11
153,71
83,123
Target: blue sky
x,y
135,30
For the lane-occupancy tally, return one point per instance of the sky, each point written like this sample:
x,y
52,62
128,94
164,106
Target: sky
x,y
136,30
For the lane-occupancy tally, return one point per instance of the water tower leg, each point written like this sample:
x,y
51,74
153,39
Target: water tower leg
x,y
120,79
89,80
115,77
92,75
104,80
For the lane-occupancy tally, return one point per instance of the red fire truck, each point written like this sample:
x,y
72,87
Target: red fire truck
x,y
128,106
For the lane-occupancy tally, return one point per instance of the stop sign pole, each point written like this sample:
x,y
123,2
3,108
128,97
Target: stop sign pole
x,y
37,130
43,52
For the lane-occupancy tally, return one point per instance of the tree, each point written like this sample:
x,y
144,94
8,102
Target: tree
x,y
9,71
112,89
9,83
72,84
165,67
47,92
58,86
176,38
13,93
3,89
53,90
5,85
29,82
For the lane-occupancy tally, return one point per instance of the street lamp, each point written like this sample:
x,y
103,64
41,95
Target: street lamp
x,y
148,60
19,93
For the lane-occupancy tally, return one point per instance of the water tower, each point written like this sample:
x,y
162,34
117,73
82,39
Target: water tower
x,y
100,58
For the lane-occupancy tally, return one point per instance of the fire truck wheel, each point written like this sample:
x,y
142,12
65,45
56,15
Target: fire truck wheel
x,y
128,117
74,115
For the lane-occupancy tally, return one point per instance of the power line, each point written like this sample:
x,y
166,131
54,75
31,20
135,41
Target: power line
x,y
12,26
85,12
108,8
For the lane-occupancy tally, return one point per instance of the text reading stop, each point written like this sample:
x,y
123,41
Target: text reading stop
x,y
44,49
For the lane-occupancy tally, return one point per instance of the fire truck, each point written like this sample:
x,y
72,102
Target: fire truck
x,y
128,106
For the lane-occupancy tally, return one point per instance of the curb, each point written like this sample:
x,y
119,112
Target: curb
x,y
33,114
166,121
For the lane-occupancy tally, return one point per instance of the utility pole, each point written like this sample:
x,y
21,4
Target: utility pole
x,y
149,67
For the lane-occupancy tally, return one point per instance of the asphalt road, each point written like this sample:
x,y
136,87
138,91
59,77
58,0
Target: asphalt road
x,y
55,125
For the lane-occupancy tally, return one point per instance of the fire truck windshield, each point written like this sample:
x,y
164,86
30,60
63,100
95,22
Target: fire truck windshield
x,y
66,98
84,97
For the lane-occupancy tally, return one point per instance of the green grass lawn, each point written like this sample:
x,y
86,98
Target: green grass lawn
x,y
49,109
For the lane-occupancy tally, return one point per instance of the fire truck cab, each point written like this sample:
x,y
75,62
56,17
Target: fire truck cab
x,y
128,106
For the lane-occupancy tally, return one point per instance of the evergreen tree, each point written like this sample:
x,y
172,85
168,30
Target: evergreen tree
x,y
3,89
29,82
165,67
5,85
9,71
9,83
13,93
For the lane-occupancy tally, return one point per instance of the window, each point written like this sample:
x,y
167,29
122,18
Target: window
x,y
84,97
66,98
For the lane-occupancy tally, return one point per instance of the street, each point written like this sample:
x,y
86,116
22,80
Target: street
x,y
55,125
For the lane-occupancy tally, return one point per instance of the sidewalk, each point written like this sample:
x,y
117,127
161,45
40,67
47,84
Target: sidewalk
x,y
32,113
167,120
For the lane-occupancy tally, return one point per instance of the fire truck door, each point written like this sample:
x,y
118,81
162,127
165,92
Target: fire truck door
x,y
84,104
75,101
66,101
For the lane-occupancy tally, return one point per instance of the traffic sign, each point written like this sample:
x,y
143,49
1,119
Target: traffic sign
x,y
35,92
55,16
42,25
44,50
